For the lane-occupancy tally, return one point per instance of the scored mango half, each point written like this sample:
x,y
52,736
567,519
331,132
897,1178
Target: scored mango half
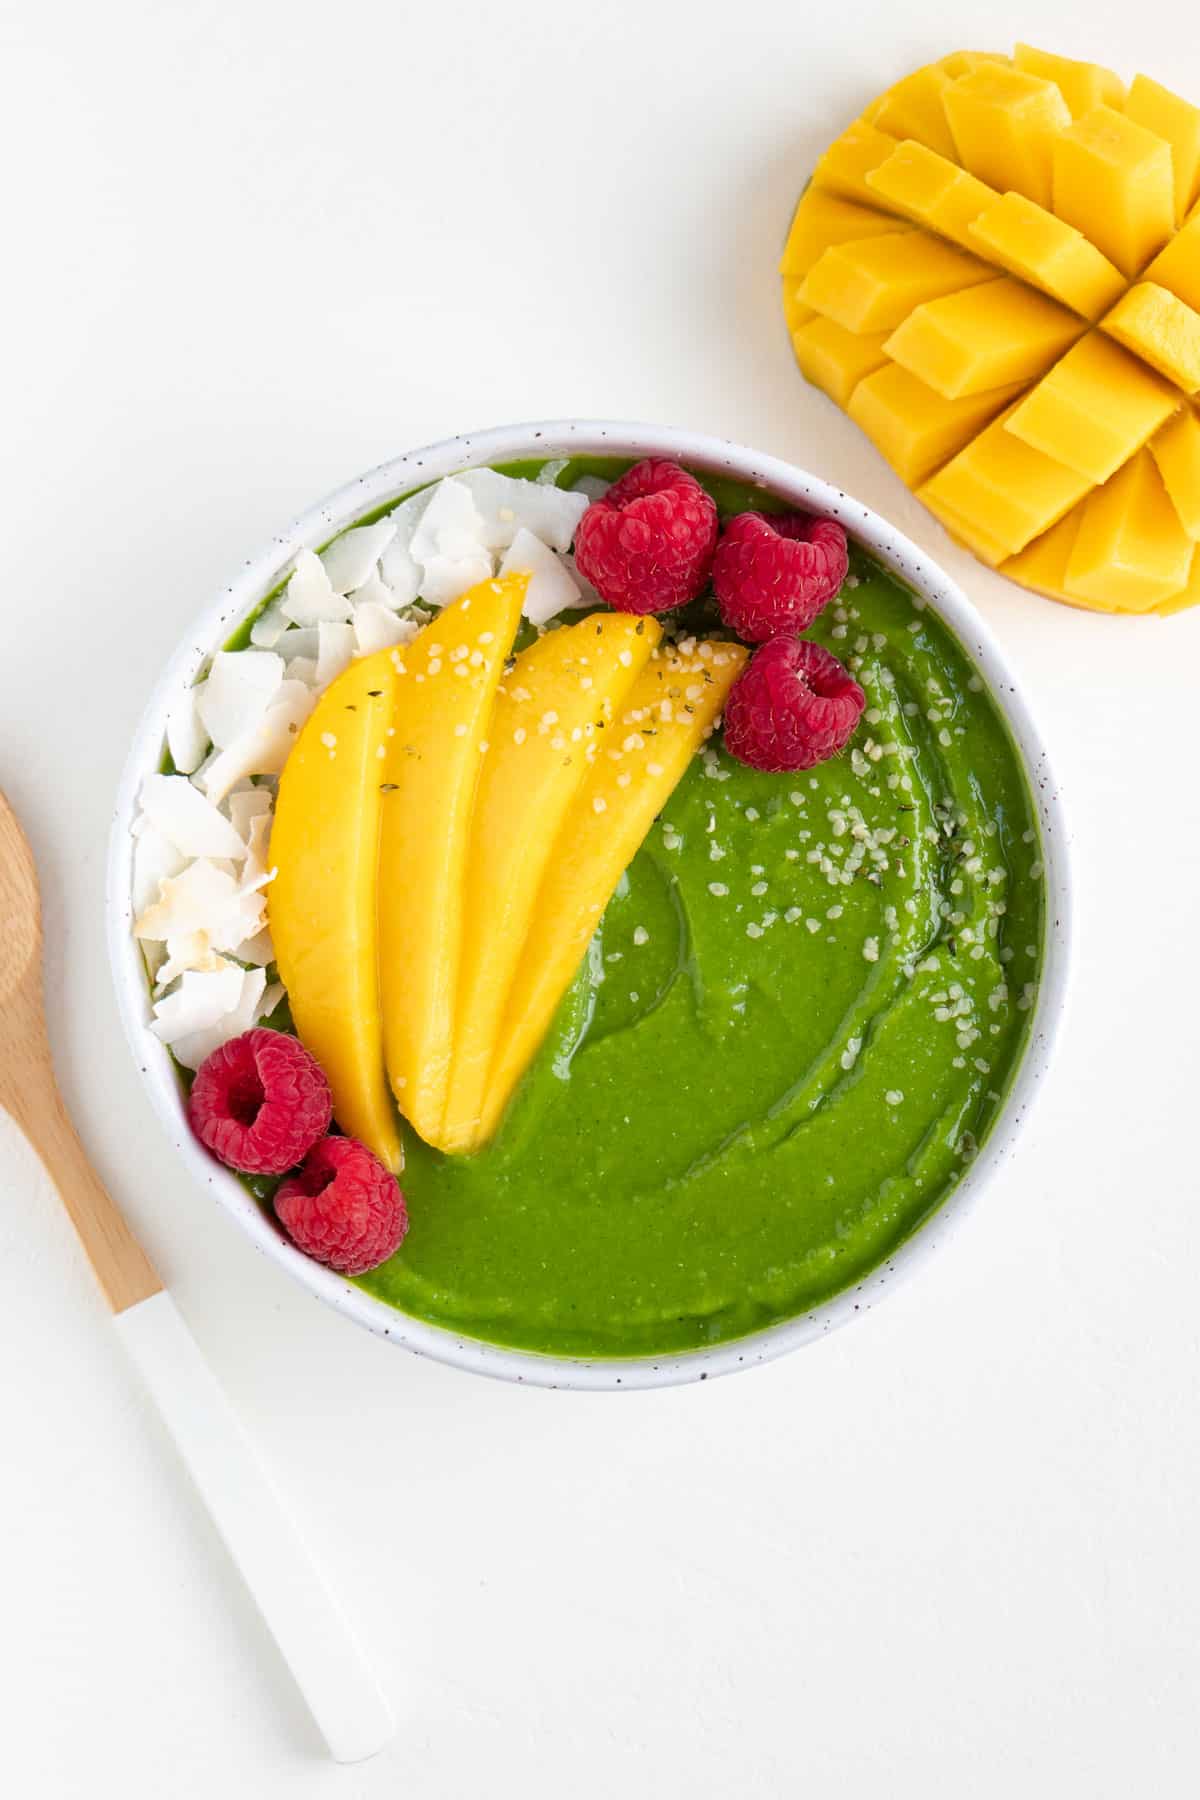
x,y
995,272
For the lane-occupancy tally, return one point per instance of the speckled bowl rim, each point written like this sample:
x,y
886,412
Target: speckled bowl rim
x,y
550,438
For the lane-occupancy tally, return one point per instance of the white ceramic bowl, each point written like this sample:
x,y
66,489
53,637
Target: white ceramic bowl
x,y
350,503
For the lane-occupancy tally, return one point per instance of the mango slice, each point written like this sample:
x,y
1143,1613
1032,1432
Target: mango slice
x,y
844,167
321,904
1083,85
915,109
932,190
1131,550
821,219
1113,180
1178,122
1162,330
1047,253
551,719
836,360
984,337
441,719
1042,565
1003,488
1004,124
1186,597
795,313
988,549
1094,409
1177,267
1176,450
915,429
873,284
627,787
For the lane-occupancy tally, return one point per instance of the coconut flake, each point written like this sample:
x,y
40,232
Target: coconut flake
x,y
548,474
208,901
302,669
451,526
187,739
241,686
244,805
335,652
377,627
198,1003
399,568
311,596
264,751
269,626
591,487
446,577
192,1048
506,504
375,592
187,820
155,859
551,589
351,558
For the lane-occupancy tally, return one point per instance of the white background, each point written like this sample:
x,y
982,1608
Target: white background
x,y
251,248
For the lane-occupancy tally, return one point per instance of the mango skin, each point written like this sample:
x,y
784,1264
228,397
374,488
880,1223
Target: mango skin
x,y
321,904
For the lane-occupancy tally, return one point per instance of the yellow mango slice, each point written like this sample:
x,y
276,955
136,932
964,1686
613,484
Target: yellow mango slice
x,y
965,62
550,720
441,719
1083,85
1001,487
1113,181
1177,268
915,429
1095,408
914,109
795,313
1162,330
977,542
821,219
1047,253
1131,551
1187,596
627,787
1176,450
985,337
844,166
1176,120
932,190
1042,565
873,284
1004,124
836,360
321,904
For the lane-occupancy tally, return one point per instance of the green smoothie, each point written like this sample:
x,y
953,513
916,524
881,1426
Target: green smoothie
x,y
793,1031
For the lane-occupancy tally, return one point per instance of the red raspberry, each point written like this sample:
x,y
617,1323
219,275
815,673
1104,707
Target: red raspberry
x,y
343,1207
773,575
792,706
260,1102
647,546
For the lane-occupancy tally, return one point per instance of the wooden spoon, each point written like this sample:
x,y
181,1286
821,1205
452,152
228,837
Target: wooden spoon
x,y
305,1621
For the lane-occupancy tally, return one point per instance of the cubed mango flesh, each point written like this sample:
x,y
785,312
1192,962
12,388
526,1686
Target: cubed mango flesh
x,y
1095,408
873,284
1131,551
844,167
915,429
1177,267
1042,565
1004,123
432,771
795,313
977,542
1082,85
548,725
1178,121
932,190
1047,253
1001,487
1186,597
984,337
1162,330
1176,450
321,905
1113,180
627,787
914,108
836,360
821,219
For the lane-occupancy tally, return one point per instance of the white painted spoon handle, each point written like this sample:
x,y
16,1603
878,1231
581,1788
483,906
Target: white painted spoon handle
x,y
303,1616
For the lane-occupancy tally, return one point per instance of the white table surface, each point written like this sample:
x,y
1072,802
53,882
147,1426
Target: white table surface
x,y
251,248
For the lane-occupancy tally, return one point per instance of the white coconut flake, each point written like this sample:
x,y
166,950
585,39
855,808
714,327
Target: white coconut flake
x,y
375,592
592,487
187,739
378,627
548,474
351,558
506,505
399,568
269,626
241,686
192,1048
187,820
335,652
204,898
244,805
198,1003
261,752
258,950
303,669
155,860
445,578
451,526
300,640
552,588
311,596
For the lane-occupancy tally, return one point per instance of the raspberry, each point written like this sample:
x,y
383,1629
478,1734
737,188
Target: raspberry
x,y
343,1207
773,575
647,546
260,1102
792,706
